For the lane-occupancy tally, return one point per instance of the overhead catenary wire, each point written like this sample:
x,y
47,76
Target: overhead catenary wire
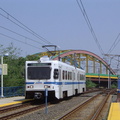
x,y
81,7
19,40
115,43
21,25
21,35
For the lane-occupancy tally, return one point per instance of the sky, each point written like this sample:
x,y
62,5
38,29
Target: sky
x,y
61,23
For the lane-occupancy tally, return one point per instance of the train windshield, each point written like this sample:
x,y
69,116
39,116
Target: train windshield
x,y
38,73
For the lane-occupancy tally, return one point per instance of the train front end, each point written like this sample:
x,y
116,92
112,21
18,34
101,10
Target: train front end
x,y
38,78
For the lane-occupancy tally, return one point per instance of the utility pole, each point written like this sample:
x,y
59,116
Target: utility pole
x,y
99,76
110,57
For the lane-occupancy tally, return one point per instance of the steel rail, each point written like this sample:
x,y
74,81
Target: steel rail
x,y
13,107
98,111
77,108
94,115
6,117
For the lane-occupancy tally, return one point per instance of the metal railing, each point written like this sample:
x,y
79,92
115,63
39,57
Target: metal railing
x,y
13,91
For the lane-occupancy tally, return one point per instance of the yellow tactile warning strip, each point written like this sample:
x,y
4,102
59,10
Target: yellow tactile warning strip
x,y
114,113
17,102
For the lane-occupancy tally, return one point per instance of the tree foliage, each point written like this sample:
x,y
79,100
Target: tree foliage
x,y
15,64
12,51
32,57
16,73
90,84
114,85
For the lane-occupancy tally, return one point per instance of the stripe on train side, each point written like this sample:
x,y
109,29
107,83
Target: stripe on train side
x,y
56,83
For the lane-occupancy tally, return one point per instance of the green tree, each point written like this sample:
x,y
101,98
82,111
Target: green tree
x,y
16,73
12,51
32,57
114,85
15,64
90,84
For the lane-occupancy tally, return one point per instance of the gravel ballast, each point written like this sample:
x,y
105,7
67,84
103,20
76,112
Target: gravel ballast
x,y
55,111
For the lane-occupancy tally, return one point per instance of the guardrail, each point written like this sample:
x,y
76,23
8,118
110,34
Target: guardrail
x,y
13,91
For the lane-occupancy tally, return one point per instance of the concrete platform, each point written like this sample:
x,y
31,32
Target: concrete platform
x,y
114,113
12,100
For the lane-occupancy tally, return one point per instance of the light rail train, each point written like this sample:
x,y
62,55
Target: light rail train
x,y
60,79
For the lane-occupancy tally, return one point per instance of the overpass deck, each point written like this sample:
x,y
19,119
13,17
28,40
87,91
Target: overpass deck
x,y
102,76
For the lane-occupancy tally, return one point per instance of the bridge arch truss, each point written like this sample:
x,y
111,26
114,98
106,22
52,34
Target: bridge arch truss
x,y
89,61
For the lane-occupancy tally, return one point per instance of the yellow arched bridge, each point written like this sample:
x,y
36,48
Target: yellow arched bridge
x,y
96,68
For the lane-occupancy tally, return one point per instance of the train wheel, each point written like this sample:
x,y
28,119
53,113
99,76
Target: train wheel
x,y
65,94
76,91
83,90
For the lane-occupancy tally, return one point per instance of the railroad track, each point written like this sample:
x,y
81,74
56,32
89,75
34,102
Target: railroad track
x,y
90,109
10,112
13,107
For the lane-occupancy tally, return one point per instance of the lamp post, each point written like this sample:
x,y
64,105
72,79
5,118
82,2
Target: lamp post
x,y
2,77
2,95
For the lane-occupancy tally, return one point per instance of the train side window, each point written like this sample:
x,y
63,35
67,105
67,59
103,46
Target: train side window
x,y
66,75
84,77
56,73
74,76
80,76
70,75
77,76
63,74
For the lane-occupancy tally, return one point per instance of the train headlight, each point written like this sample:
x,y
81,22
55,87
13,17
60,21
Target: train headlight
x,y
46,86
31,86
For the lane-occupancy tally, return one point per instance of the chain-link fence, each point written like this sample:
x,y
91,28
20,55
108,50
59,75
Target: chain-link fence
x,y
13,91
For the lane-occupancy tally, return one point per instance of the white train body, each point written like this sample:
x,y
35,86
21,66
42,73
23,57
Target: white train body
x,y
60,79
